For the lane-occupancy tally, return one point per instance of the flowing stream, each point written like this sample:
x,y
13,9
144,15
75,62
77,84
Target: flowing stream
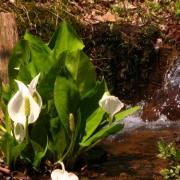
x,y
132,153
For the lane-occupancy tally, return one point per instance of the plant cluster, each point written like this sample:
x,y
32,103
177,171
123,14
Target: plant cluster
x,y
157,11
171,153
54,108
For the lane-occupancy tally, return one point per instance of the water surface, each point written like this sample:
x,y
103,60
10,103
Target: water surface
x,y
132,153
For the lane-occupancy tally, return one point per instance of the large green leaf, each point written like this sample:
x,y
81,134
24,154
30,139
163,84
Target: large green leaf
x,y
46,85
24,74
7,143
34,40
88,105
20,54
40,56
66,98
63,39
61,142
82,71
123,114
37,136
103,133
93,122
40,60
89,102
54,126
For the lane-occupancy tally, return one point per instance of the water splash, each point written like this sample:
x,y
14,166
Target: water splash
x,y
166,100
134,122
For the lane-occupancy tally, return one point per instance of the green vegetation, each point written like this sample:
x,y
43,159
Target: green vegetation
x,y
68,113
171,153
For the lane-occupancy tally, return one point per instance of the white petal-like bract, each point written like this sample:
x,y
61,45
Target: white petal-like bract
x,y
58,174
19,132
17,104
32,89
111,104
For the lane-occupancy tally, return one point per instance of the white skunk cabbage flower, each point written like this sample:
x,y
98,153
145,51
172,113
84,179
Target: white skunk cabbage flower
x,y
58,174
16,106
111,104
19,132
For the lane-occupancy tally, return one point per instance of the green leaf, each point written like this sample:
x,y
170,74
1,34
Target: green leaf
x,y
88,105
125,113
54,126
31,56
177,5
3,107
16,151
7,143
63,39
66,98
34,40
37,159
40,61
39,133
178,154
24,74
61,142
6,93
89,102
46,85
6,118
79,130
39,152
93,122
20,53
82,71
103,133
40,56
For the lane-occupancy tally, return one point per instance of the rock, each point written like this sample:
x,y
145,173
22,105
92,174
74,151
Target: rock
x,y
166,100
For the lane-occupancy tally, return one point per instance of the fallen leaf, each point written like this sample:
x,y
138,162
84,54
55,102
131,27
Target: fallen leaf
x,y
109,17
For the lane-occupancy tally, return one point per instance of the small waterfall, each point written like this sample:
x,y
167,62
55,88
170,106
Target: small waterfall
x,y
166,100
134,149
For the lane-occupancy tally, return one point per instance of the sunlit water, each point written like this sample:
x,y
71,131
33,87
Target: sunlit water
x,y
133,151
134,122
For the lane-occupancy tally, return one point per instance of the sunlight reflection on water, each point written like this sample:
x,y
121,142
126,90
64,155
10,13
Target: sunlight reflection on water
x,y
134,122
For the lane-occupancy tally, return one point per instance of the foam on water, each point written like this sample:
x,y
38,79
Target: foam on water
x,y
134,122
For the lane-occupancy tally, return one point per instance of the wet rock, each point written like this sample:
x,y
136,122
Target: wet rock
x,y
166,100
